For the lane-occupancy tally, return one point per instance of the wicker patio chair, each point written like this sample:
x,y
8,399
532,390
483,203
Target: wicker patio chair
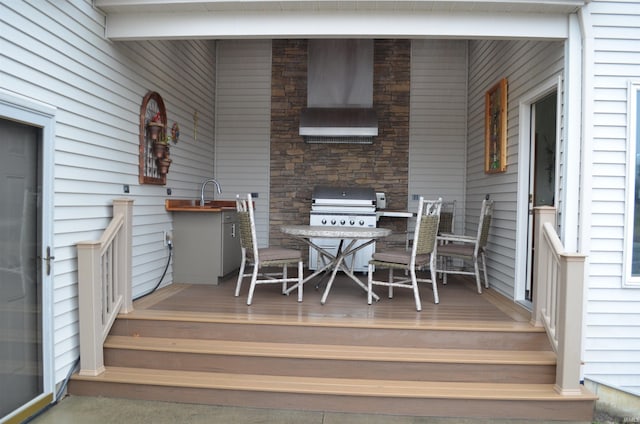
x,y
467,248
263,257
422,253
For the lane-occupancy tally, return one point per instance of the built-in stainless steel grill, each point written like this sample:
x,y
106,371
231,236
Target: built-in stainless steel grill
x,y
347,207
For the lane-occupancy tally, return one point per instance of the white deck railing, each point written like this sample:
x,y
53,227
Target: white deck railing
x,y
558,299
104,285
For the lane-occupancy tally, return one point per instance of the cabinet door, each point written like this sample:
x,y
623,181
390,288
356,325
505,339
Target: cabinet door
x,y
196,254
230,248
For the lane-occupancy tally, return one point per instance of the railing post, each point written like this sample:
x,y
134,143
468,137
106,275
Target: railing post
x,y
125,207
90,317
98,304
542,215
570,298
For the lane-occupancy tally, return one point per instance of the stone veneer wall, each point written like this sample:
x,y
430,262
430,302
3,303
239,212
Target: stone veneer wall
x,y
297,167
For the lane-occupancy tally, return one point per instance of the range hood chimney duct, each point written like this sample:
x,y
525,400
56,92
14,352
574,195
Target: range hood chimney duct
x,y
339,92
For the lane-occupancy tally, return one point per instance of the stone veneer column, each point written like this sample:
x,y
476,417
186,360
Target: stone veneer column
x,y
297,167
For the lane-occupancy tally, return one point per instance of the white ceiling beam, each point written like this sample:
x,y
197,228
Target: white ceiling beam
x,y
540,6
338,24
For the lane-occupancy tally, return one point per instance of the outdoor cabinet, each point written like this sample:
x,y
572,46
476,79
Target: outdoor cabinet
x,y
206,246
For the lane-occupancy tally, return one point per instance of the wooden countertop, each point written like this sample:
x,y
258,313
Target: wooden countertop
x,y
193,205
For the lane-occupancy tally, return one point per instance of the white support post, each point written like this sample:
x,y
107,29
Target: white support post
x,y
570,296
90,311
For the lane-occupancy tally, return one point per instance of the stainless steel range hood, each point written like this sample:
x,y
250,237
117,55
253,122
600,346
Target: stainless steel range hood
x,y
355,125
339,92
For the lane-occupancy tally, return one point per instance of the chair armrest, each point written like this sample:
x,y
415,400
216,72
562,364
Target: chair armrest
x,y
456,238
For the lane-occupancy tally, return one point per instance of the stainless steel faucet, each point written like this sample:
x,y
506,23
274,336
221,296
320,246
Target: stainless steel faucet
x,y
204,184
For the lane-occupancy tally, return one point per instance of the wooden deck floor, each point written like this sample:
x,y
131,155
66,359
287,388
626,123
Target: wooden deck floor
x,y
460,305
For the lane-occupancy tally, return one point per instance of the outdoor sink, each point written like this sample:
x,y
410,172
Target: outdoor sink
x,y
193,205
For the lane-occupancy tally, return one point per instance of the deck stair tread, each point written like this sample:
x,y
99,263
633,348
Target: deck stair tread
x,y
335,352
333,386
324,321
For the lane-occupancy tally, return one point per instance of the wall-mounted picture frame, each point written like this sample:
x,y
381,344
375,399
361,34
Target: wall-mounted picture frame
x,y
495,128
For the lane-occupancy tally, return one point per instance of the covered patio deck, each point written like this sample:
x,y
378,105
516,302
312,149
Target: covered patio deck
x,y
460,305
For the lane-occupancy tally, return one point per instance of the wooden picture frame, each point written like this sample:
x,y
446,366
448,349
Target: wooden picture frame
x,y
495,128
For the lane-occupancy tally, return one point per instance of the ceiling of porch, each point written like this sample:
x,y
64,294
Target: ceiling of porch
x,y
175,19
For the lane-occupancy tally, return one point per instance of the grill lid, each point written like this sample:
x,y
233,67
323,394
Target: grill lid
x,y
323,195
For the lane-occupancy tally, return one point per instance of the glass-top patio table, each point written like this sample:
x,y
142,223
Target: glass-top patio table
x,y
349,236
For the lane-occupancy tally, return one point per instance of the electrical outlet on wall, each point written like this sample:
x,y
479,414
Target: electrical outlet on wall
x,y
166,237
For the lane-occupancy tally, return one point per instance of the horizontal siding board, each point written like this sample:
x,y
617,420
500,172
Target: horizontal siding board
x,y
608,195
620,371
621,306
610,207
604,344
614,332
613,318
611,245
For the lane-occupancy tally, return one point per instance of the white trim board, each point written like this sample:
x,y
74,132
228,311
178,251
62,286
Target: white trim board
x,y
337,23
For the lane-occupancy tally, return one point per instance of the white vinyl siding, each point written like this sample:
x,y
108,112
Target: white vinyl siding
x,y
612,345
56,53
525,65
438,122
243,123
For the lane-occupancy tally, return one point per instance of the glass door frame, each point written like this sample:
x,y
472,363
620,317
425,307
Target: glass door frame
x,y
40,115
523,227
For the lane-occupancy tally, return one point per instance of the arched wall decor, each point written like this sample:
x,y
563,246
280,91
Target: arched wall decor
x,y
154,147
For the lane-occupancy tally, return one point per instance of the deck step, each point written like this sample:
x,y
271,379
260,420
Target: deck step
x,y
343,352
316,360
401,397
323,330
334,386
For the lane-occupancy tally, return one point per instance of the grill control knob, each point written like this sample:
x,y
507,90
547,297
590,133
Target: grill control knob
x,y
352,222
342,221
333,222
361,222
324,221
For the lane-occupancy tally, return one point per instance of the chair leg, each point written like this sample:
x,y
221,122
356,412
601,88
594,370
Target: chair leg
x,y
300,279
484,269
445,267
434,284
284,279
240,275
370,285
477,272
390,282
416,293
254,278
